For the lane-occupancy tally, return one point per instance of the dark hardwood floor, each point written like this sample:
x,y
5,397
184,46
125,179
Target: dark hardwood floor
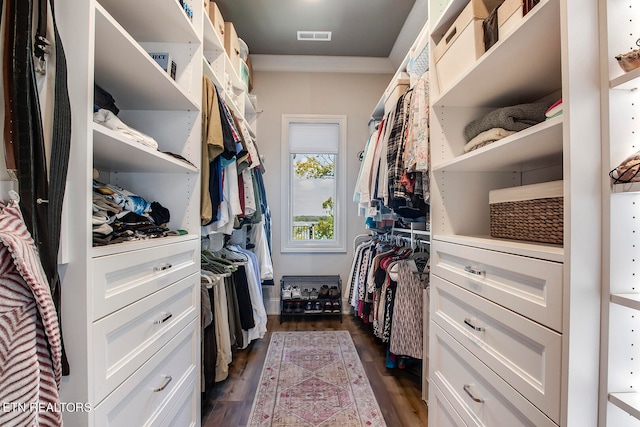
x,y
398,391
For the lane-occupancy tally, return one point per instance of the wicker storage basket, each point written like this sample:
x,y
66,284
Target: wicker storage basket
x,y
531,212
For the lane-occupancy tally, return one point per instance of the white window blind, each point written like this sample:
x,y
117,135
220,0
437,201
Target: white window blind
x,y
314,138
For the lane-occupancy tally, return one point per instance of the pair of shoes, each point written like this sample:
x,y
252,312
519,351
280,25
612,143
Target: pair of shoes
x,y
334,292
288,307
313,307
305,293
295,293
324,292
286,292
336,306
313,294
327,307
298,307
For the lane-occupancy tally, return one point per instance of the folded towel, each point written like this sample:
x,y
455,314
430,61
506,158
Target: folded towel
x,y
555,110
514,118
487,137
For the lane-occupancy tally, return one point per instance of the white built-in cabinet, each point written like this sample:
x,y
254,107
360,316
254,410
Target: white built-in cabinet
x,y
217,66
130,311
620,400
514,330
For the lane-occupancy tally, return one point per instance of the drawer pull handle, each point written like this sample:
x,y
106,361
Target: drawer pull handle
x,y
467,389
167,380
467,322
164,319
472,270
162,267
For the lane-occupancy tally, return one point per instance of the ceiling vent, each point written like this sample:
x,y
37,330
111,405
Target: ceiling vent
x,y
315,36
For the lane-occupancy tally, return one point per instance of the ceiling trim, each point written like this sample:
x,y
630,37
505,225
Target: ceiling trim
x,y
322,64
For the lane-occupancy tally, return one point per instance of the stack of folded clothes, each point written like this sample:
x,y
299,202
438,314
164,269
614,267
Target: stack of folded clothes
x,y
503,122
119,216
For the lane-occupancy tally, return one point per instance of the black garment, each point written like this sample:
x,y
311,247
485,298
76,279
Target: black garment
x,y
41,193
235,328
159,214
103,99
228,142
245,308
210,351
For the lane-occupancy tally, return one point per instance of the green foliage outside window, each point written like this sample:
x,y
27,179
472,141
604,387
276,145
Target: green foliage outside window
x,y
317,166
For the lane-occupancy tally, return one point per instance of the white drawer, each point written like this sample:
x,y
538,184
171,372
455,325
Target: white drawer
x,y
477,394
119,280
525,354
531,287
152,392
124,340
441,413
187,410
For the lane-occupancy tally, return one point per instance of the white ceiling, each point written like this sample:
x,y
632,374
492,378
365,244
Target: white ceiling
x,y
367,35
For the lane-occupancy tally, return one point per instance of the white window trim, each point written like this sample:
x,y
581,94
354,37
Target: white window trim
x,y
339,244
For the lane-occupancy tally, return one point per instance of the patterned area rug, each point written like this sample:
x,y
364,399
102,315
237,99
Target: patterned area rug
x,y
314,379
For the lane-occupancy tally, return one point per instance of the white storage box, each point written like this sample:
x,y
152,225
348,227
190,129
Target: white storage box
x,y
462,44
232,46
216,19
510,13
394,92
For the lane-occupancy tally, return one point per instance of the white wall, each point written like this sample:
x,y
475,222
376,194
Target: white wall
x,y
354,95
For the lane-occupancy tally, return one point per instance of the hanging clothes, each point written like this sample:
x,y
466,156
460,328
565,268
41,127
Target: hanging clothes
x,y
212,146
386,293
393,181
37,126
406,329
31,361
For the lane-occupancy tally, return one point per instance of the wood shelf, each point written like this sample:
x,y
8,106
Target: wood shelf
x,y
166,15
113,152
627,81
628,187
628,402
627,300
535,147
524,56
129,74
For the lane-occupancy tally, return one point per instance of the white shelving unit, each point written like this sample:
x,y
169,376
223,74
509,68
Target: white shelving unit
x,y
130,310
620,395
217,66
546,293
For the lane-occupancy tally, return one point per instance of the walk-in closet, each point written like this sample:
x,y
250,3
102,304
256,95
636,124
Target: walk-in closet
x,y
252,213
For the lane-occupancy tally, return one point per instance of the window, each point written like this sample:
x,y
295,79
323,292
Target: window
x,y
313,183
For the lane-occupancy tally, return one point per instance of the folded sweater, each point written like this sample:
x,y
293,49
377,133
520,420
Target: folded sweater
x,y
487,137
514,118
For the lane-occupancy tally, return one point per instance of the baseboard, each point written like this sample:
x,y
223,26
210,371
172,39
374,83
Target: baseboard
x,y
272,306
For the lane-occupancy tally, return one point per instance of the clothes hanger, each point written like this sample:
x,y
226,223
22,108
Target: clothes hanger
x,y
8,194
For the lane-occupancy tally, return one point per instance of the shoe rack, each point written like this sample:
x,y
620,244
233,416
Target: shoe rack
x,y
323,296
